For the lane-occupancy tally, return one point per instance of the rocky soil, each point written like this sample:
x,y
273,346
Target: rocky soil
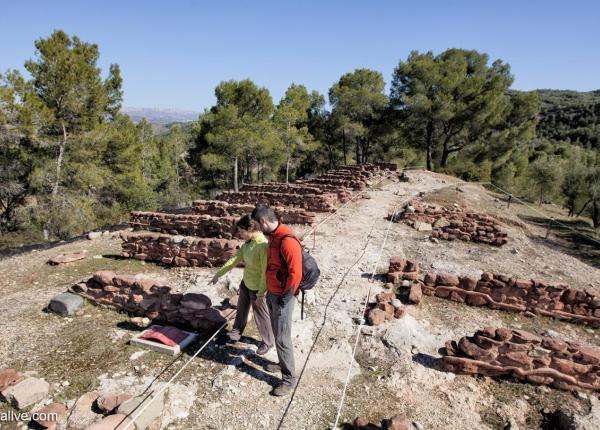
x,y
225,387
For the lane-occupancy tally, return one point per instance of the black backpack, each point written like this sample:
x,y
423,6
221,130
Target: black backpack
x,y
310,269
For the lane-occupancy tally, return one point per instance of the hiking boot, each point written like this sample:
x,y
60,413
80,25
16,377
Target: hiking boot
x,y
263,348
272,367
234,335
282,389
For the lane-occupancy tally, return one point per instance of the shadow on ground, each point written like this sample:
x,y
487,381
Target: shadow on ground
x,y
573,237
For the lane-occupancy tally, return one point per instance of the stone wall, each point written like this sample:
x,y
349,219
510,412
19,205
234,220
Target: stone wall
x,y
221,208
526,356
400,269
311,202
342,194
353,184
153,299
222,227
538,297
452,222
177,250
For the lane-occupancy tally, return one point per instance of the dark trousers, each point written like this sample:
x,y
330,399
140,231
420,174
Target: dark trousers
x,y
281,321
246,299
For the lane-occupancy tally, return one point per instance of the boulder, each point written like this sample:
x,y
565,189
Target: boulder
x,y
26,393
152,412
416,294
422,226
448,279
65,304
82,415
196,301
67,258
110,401
49,416
9,377
376,316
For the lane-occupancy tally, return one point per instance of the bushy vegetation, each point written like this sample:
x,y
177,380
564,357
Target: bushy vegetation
x,y
71,162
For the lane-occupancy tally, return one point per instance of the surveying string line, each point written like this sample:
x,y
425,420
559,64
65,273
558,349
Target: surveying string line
x,y
170,381
362,317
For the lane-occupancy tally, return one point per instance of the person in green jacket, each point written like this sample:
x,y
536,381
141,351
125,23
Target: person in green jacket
x,y
253,253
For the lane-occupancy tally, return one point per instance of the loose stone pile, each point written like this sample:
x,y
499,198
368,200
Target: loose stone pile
x,y
526,356
152,299
400,269
539,297
452,223
177,250
221,227
386,307
220,208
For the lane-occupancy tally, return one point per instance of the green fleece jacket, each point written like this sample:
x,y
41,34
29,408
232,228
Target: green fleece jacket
x,y
253,253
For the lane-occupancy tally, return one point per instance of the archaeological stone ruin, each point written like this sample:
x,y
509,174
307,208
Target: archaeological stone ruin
x,y
452,223
537,359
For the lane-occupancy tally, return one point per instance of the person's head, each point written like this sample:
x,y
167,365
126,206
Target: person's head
x,y
265,218
245,228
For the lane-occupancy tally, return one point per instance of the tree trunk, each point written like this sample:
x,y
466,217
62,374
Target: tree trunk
x,y
59,161
596,214
429,144
541,194
344,146
357,151
287,170
235,175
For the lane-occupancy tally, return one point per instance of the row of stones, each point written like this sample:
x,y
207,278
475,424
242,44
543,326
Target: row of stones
x,y
223,209
152,299
523,355
177,250
397,422
538,297
343,194
355,177
453,223
183,224
311,202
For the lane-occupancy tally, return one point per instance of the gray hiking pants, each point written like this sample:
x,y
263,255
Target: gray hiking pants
x,y
281,321
248,298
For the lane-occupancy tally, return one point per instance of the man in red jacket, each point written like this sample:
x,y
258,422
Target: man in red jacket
x,y
284,273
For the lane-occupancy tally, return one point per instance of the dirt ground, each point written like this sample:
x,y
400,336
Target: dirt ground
x,y
225,386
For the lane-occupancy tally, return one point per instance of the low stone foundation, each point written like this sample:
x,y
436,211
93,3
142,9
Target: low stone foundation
x,y
400,269
526,356
342,194
336,181
453,223
177,250
538,297
222,227
311,202
220,209
152,299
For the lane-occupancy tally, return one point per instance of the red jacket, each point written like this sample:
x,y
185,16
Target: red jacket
x,y
282,277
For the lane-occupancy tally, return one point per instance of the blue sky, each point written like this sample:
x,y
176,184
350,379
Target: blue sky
x,y
173,53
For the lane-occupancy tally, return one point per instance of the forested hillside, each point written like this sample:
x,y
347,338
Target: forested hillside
x,y
71,161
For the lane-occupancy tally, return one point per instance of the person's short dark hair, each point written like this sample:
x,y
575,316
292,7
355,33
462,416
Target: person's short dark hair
x,y
245,223
264,212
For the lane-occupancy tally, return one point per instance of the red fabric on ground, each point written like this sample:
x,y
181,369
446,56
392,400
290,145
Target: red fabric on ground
x,y
169,336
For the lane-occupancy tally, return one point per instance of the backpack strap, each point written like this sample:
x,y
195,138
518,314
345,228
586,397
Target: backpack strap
x,y
281,258
281,243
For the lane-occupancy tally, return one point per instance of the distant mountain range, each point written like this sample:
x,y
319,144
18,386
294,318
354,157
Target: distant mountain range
x,y
160,116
